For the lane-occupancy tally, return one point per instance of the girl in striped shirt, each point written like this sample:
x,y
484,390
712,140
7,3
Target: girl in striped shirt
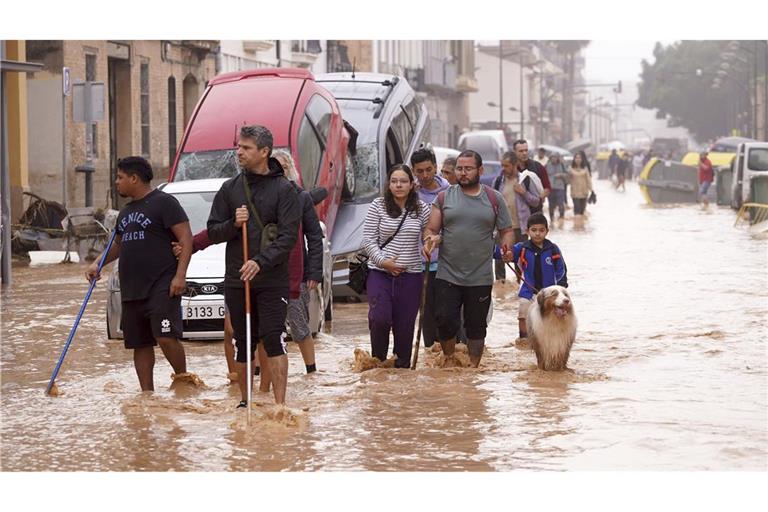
x,y
396,222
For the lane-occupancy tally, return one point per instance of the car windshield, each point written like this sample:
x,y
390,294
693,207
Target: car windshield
x,y
198,208
758,159
203,165
366,166
200,165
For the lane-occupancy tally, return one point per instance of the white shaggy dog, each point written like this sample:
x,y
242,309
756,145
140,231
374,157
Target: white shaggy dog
x,y
552,326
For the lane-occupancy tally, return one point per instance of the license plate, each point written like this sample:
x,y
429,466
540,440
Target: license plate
x,y
202,311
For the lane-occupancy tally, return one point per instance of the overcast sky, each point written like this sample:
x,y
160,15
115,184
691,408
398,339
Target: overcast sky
x,y
611,61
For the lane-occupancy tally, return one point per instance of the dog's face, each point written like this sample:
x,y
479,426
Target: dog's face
x,y
554,299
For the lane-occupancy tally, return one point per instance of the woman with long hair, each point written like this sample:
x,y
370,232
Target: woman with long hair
x,y
581,186
392,237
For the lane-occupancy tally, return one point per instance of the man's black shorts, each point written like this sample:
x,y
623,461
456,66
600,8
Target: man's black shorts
x,y
269,307
157,316
476,301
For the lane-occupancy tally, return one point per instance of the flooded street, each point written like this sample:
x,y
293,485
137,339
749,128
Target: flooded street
x,y
668,373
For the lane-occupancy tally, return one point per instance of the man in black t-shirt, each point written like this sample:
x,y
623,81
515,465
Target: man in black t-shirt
x,y
151,279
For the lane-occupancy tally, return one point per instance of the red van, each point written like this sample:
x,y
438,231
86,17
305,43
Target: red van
x,y
302,116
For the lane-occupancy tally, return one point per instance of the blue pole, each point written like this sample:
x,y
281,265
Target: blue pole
x,y
79,315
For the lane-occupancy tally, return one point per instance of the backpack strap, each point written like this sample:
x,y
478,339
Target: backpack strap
x,y
493,199
497,182
441,199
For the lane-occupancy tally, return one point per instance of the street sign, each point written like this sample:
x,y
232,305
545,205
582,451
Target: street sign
x,y
66,82
95,105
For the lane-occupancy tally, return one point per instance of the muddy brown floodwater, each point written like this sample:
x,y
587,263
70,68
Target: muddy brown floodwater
x,y
668,372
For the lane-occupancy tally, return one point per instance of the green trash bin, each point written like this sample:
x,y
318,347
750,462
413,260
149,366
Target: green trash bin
x,y
723,184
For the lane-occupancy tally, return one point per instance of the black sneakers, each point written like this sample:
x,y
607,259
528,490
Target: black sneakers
x,y
242,405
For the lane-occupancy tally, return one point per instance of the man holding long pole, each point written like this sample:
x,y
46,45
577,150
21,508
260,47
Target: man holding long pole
x,y
263,200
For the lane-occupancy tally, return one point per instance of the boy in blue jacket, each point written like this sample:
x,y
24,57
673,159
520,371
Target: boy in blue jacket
x,y
541,263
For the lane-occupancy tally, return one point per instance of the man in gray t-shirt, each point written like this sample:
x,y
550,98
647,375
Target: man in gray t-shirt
x,y
467,217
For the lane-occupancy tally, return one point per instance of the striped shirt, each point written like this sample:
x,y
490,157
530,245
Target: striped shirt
x,y
406,245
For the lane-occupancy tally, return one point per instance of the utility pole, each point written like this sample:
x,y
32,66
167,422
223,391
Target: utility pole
x,y
501,88
522,110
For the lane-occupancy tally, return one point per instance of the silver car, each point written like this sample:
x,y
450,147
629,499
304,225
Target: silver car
x,y
202,305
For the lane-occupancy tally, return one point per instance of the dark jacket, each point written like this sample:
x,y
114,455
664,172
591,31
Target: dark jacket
x,y
277,202
313,234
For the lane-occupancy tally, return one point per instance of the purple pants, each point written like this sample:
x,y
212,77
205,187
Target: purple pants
x,y
393,303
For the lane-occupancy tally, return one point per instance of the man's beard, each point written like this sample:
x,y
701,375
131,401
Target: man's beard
x,y
470,183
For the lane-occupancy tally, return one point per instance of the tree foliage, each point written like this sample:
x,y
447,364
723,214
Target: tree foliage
x,y
674,87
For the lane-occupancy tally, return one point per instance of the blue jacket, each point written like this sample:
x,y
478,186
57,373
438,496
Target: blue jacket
x,y
552,267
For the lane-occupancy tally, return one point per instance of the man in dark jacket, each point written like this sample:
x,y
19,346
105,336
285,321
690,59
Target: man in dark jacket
x,y
258,196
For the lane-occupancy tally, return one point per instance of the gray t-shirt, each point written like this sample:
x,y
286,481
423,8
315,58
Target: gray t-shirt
x,y
466,251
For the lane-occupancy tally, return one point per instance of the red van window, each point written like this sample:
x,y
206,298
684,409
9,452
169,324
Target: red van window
x,y
310,153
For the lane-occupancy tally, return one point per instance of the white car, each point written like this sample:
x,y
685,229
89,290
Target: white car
x,y
202,305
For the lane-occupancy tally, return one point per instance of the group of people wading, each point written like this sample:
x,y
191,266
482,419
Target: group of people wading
x,y
438,231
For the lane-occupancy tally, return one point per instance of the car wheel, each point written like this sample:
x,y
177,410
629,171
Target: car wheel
x,y
348,190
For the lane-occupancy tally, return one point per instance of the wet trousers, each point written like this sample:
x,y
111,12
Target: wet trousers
x,y
393,304
579,205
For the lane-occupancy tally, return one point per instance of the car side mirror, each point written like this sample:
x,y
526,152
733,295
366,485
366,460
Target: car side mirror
x,y
318,195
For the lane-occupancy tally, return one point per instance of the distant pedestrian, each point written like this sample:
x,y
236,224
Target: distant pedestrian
x,y
392,235
521,195
581,186
520,147
449,164
706,177
558,177
462,222
621,171
152,280
613,162
637,165
268,204
541,157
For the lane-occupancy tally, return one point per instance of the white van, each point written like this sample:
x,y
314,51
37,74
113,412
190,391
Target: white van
x,y
491,144
751,161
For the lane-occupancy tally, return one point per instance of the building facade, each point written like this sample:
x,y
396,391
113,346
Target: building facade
x,y
150,92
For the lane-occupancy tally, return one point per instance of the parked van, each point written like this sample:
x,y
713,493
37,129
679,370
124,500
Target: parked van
x,y
389,122
302,116
491,144
749,166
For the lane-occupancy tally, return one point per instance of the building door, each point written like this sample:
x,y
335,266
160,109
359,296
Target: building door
x,y
120,136
191,95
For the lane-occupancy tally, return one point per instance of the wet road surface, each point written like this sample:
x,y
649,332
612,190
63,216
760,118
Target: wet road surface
x,y
668,372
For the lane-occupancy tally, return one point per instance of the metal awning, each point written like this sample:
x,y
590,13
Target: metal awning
x,y
19,66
